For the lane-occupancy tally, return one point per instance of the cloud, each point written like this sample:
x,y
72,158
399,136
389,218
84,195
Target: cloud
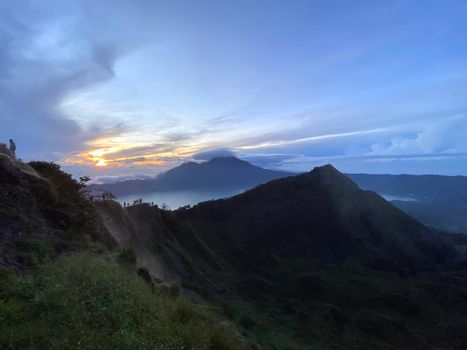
x,y
438,137
212,153
49,50
405,148
110,179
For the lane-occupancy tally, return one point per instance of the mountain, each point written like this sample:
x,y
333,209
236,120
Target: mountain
x,y
309,261
217,173
320,215
437,201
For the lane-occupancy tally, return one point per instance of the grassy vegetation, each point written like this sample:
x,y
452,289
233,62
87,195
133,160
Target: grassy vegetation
x,y
67,286
85,301
315,306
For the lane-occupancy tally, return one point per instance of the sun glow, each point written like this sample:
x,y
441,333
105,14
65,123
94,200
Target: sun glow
x,y
101,163
96,156
112,153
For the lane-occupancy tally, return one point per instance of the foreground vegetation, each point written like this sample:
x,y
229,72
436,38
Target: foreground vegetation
x,y
89,301
64,283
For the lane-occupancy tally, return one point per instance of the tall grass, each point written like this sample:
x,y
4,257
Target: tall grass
x,y
82,301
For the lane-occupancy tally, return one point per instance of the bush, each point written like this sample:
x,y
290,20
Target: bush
x,y
126,256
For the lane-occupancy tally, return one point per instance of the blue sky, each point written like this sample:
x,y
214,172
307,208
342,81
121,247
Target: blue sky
x,y
125,87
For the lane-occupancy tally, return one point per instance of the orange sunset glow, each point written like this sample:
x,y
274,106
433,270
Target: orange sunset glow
x,y
118,155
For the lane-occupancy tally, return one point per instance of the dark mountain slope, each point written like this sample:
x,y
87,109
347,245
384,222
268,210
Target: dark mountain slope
x,y
312,261
321,215
218,173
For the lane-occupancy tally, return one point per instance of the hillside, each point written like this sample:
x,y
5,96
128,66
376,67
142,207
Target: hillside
x,y
320,215
65,283
312,260
217,173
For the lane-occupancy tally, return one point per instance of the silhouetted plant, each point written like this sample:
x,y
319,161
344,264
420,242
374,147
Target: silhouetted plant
x,y
165,206
107,196
12,147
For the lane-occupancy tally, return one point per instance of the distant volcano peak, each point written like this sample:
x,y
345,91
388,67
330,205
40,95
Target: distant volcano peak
x,y
225,159
218,172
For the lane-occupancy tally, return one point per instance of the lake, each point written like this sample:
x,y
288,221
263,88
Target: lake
x,y
176,199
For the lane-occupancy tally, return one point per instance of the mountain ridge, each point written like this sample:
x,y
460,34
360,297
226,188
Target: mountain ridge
x,y
325,214
436,200
314,260
219,172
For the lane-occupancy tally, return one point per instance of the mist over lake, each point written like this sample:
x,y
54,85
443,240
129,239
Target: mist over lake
x,y
176,199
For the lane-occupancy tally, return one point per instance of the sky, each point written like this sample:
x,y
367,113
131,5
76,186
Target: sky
x,y
134,87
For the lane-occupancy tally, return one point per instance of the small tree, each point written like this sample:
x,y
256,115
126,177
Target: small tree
x,y
83,180
165,206
12,147
107,196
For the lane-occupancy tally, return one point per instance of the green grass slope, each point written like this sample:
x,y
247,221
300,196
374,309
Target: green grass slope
x,y
89,301
64,283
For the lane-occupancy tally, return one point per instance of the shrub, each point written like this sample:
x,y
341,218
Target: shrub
x,y
126,255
